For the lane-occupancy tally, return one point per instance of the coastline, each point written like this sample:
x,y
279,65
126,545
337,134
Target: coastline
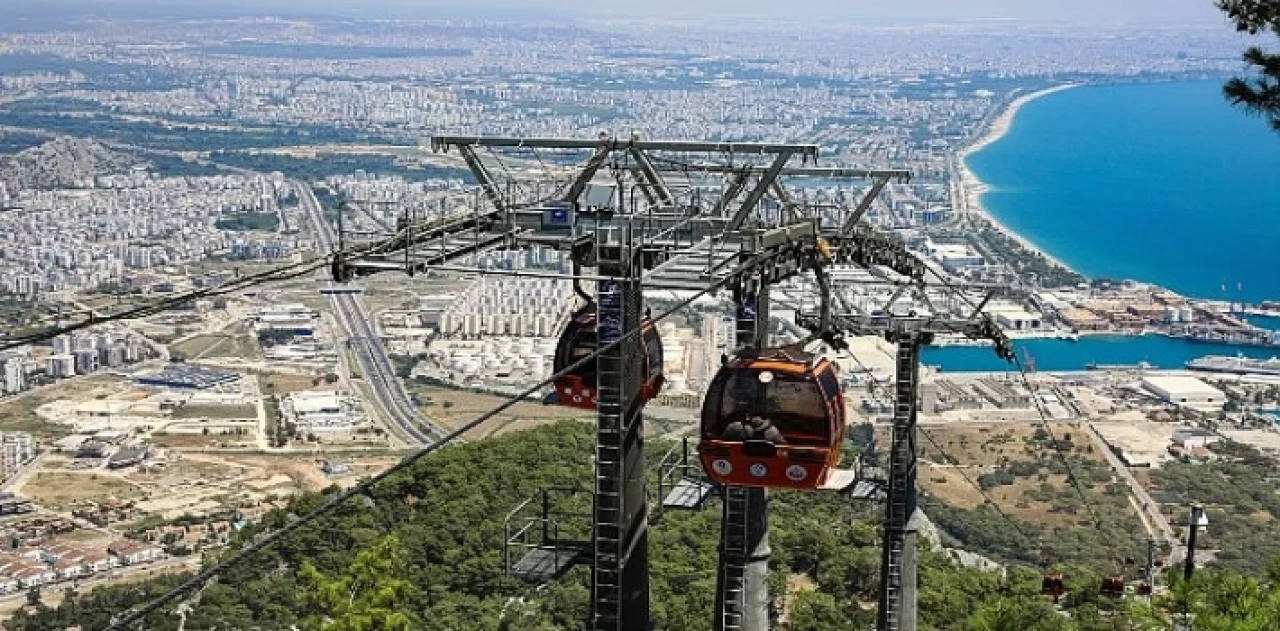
x,y
972,188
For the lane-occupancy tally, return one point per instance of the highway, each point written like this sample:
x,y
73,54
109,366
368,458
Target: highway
x,y
375,366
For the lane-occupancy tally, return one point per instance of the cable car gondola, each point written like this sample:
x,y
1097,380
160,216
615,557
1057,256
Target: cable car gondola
x,y
1053,585
773,419
1112,586
578,388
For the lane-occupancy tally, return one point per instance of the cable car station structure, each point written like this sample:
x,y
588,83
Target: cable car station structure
x,y
636,211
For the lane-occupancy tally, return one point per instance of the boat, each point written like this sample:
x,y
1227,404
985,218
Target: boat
x,y
1238,365
1138,366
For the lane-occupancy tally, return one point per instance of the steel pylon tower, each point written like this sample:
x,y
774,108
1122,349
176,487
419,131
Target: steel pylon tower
x,y
742,585
619,541
898,562
680,238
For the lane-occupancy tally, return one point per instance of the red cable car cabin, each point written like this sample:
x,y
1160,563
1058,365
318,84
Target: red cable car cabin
x,y
1053,585
799,445
1112,586
578,388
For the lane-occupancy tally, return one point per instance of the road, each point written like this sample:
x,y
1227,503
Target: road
x,y
375,366
1151,515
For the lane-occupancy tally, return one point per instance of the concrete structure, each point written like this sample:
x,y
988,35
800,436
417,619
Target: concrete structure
x,y
16,449
128,456
129,552
1018,319
1191,438
316,411
1185,391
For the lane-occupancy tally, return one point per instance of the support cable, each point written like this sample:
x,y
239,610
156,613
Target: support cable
x,y
1035,399
267,539
288,272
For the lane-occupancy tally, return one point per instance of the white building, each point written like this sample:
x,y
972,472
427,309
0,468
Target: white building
x,y
954,257
316,411
1186,391
15,375
1191,438
1018,319
16,449
134,552
60,366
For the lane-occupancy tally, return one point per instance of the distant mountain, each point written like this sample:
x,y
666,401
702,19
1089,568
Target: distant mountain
x,y
62,162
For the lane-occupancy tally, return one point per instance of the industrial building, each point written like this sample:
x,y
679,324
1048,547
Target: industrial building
x,y
187,376
128,456
316,411
1185,391
1191,438
293,319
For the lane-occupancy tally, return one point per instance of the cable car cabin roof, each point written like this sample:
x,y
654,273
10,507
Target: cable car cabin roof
x,y
785,359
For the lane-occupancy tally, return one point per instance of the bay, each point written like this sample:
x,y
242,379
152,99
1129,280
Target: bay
x,y
1165,183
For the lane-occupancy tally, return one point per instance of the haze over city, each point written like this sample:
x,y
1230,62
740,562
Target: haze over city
x,y
1082,11
504,314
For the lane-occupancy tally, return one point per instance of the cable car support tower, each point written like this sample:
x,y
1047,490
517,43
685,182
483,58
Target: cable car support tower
x,y
619,214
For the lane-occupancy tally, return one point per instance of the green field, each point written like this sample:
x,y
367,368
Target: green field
x,y
216,412
242,346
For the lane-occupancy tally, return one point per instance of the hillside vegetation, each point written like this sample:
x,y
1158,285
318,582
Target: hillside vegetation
x,y
424,551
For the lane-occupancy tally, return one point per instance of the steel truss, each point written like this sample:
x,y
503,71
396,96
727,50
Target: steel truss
x,y
623,213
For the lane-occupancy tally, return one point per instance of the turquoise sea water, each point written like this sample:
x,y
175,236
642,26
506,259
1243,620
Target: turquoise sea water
x,y
1061,355
1166,183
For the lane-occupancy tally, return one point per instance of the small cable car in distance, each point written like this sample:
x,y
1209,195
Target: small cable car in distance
x,y
578,388
773,418
1053,585
1112,586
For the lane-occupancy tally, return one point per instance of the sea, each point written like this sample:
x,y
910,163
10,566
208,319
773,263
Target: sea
x,y
1162,182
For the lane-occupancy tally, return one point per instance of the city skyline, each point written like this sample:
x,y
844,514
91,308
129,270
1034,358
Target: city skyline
x,y
1084,11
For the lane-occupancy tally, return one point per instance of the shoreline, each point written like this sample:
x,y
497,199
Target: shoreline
x,y
972,188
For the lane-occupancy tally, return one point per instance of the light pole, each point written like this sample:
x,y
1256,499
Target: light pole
x,y
1197,522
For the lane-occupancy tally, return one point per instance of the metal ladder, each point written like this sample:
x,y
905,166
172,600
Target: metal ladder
x,y
734,557
901,497
607,539
607,536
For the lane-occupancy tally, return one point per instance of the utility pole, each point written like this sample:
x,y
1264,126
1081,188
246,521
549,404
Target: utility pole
x,y
1151,566
1197,521
1182,622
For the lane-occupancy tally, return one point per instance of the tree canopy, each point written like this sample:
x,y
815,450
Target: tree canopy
x,y
424,551
1260,94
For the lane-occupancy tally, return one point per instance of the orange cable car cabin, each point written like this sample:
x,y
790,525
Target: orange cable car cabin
x,y
578,388
773,419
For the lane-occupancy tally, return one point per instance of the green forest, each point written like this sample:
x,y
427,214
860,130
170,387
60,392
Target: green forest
x,y
423,550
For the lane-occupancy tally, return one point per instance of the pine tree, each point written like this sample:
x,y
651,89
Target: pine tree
x,y
1259,95
370,596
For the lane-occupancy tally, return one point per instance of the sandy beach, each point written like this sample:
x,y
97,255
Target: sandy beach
x,y
972,188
